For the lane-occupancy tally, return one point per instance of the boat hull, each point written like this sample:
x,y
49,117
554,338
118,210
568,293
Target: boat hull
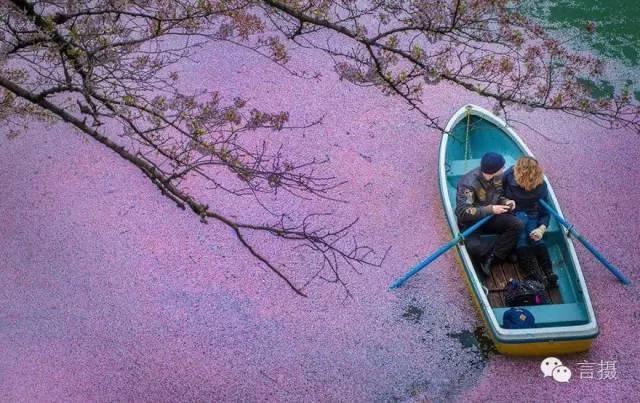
x,y
545,341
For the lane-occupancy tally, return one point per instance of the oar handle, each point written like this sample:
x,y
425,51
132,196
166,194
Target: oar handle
x,y
621,277
424,263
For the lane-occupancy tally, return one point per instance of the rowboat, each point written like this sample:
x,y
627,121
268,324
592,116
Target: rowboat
x,y
567,324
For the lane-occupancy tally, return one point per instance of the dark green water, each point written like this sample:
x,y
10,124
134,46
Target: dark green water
x,y
616,38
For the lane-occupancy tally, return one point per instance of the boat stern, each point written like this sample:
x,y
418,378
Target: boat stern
x,y
545,348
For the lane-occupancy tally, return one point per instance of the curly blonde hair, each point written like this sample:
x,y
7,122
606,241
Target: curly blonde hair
x,y
528,173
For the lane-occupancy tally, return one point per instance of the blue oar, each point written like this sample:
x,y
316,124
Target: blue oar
x,y
586,244
439,252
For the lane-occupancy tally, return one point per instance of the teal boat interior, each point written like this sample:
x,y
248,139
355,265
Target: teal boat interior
x,y
467,142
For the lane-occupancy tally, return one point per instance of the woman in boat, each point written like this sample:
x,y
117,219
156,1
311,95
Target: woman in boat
x,y
524,183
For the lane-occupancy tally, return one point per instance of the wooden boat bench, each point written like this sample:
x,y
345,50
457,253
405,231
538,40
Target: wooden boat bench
x,y
457,168
551,314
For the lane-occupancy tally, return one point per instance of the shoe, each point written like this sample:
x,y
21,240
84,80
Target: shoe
x,y
529,264
542,255
486,264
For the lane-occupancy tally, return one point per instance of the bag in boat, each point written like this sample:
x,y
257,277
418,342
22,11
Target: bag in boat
x,y
524,292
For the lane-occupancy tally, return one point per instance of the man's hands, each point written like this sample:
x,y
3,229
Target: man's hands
x,y
511,204
538,233
500,209
508,205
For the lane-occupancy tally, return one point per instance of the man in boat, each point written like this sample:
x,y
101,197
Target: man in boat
x,y
480,193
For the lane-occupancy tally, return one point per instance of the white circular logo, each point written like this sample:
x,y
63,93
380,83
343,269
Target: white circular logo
x,y
561,374
548,364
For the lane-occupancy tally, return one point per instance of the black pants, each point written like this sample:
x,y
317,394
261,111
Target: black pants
x,y
506,226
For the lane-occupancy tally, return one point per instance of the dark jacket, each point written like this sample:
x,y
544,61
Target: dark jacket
x,y
475,195
526,201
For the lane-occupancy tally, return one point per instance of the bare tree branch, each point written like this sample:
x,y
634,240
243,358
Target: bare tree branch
x,y
112,64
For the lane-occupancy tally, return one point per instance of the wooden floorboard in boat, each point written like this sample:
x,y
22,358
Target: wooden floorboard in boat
x,y
495,298
501,280
500,275
554,295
